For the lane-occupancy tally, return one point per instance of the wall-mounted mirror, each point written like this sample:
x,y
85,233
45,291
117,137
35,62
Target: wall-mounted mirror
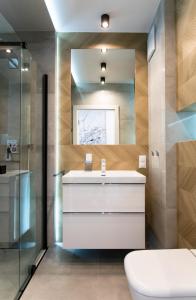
x,y
102,96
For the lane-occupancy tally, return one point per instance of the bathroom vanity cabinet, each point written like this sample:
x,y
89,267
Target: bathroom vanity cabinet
x,y
104,212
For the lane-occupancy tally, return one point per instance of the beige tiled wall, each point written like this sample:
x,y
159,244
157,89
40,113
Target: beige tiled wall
x,y
166,127
3,104
162,106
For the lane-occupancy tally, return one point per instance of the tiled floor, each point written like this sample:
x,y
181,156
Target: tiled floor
x,y
9,273
13,269
79,275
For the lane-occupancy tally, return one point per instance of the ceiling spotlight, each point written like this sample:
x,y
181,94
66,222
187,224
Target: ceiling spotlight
x,y
8,51
103,50
103,66
102,79
105,21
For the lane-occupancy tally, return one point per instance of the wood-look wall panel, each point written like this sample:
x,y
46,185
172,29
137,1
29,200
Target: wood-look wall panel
x,y
117,156
186,53
186,155
141,100
111,40
65,97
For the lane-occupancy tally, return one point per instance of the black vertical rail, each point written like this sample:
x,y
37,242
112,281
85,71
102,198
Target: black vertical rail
x,y
44,155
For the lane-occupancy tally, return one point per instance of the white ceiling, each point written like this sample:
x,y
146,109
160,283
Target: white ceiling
x,y
79,15
84,15
85,65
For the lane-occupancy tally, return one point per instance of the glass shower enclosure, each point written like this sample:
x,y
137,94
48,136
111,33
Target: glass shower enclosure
x,y
21,209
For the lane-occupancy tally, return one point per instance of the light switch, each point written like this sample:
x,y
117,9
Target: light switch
x,y
142,161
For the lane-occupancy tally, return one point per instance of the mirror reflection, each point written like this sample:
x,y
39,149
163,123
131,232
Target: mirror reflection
x,y
102,96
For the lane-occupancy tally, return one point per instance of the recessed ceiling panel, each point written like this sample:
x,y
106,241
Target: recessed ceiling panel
x,y
85,15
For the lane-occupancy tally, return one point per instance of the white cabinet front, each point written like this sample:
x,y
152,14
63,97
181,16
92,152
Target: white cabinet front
x,y
104,216
103,197
104,230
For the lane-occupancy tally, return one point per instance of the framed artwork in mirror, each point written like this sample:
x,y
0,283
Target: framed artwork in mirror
x,y
96,125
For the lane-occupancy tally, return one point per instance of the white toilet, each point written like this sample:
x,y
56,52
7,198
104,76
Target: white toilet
x,y
162,274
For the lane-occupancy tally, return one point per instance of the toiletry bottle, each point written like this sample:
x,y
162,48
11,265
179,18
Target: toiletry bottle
x,y
103,167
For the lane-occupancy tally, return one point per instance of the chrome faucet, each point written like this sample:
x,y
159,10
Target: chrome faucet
x,y
88,162
103,167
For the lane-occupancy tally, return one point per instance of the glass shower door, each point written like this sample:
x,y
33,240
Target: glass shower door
x,y
31,231
21,199
10,78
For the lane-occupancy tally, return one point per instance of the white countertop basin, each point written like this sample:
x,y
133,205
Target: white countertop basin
x,y
120,176
4,178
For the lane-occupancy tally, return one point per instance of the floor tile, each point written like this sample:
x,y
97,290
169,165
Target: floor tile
x,y
79,275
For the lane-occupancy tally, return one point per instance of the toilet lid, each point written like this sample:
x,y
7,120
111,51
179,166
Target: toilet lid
x,y
193,251
162,273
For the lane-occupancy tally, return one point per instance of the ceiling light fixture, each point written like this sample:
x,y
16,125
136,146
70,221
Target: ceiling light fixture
x,y
8,51
103,66
105,21
103,50
102,79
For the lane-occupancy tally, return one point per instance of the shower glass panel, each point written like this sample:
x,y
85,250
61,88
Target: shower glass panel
x,y
31,163
21,154
10,78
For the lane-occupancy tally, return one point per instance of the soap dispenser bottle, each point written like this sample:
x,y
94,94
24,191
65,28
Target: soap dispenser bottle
x,y
103,167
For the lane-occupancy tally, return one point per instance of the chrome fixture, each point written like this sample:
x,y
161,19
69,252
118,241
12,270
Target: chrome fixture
x,y
88,162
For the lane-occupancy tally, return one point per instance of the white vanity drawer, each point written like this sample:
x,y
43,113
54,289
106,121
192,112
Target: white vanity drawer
x,y
104,231
103,197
